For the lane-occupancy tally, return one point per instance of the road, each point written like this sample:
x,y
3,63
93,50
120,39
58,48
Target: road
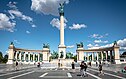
x,y
58,73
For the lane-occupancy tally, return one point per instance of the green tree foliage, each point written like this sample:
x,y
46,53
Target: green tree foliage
x,y
69,55
75,58
54,55
1,57
5,58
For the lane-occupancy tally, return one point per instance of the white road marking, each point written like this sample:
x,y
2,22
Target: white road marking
x,y
44,75
93,75
55,69
21,75
69,75
62,69
11,73
109,74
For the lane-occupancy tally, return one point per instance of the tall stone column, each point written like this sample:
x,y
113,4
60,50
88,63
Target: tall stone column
x,y
102,55
24,57
11,53
62,47
92,56
33,57
106,55
38,57
20,56
16,56
29,56
97,56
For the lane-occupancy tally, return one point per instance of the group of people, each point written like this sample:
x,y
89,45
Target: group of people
x,y
83,68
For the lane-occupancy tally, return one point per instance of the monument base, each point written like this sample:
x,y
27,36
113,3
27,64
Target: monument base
x,y
10,62
63,62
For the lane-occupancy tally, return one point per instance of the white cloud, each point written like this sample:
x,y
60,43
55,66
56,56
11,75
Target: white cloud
x,y
56,22
90,45
100,41
19,14
77,26
15,13
5,23
28,32
47,6
17,42
72,46
97,36
12,5
122,43
33,25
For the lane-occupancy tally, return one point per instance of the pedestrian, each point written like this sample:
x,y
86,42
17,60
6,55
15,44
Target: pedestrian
x,y
38,64
83,69
100,69
96,63
73,66
16,65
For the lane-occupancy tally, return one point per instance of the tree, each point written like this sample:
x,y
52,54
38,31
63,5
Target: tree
x,y
54,55
1,57
5,58
69,55
75,58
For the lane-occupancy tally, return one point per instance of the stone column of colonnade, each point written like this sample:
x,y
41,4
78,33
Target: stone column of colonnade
x,y
97,56
106,55
38,56
92,56
29,56
16,53
102,55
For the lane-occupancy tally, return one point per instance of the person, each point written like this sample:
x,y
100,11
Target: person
x,y
100,69
73,66
90,64
38,64
16,65
83,69
96,63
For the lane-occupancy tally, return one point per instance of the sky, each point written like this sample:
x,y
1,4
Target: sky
x,y
30,23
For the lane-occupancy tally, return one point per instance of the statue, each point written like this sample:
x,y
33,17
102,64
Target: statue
x,y
80,45
61,8
12,43
45,45
61,54
115,43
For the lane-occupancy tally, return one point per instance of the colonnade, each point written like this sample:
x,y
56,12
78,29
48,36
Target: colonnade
x,y
110,54
27,56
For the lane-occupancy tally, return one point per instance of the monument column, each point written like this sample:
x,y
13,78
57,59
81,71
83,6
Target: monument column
x,y
62,47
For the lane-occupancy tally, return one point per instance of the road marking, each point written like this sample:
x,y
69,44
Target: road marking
x,y
21,75
44,75
62,69
55,77
55,69
69,75
109,74
93,75
11,73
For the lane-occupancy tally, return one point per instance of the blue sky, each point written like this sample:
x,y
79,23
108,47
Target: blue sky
x,y
30,23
